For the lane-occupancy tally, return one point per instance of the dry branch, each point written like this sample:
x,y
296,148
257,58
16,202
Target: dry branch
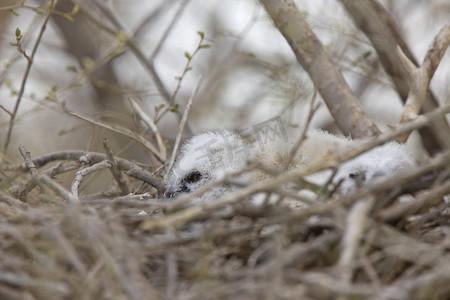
x,y
379,27
117,174
90,158
30,59
420,77
341,102
43,180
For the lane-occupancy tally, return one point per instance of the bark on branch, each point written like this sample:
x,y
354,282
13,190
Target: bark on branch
x,y
310,53
379,27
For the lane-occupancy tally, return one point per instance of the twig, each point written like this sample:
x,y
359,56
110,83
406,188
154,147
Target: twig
x,y
79,176
90,158
421,77
180,78
423,201
355,228
12,201
42,179
182,123
121,130
151,125
118,176
310,53
172,267
148,65
27,72
379,27
312,111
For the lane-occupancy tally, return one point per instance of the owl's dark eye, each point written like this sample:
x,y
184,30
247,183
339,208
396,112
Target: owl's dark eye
x,y
193,177
354,174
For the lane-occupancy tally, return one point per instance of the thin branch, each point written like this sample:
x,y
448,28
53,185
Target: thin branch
x,y
151,125
380,28
148,65
90,158
420,77
118,176
79,176
355,229
312,111
27,72
42,179
310,53
122,130
182,123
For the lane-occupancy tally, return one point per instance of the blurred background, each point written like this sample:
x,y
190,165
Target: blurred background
x,y
84,65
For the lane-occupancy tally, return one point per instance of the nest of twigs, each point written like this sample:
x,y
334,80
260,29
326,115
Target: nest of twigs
x,y
56,244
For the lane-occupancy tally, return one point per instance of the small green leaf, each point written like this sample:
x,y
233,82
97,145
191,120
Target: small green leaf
x,y
205,46
187,55
174,108
71,68
18,34
122,36
366,54
68,18
201,34
13,44
159,107
188,68
75,9
14,12
39,11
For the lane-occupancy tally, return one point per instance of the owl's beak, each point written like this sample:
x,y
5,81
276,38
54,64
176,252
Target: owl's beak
x,y
170,193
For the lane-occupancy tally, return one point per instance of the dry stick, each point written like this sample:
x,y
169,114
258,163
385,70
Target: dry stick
x,y
44,180
401,210
172,266
182,123
312,111
143,27
118,176
79,176
148,65
122,130
151,125
186,215
12,201
86,157
379,27
421,77
355,229
23,188
433,282
310,53
27,72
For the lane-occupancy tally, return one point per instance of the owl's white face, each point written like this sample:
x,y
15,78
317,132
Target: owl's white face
x,y
204,158
378,162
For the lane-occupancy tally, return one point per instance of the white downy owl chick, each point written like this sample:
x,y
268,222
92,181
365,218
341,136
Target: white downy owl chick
x,y
204,158
380,161
213,155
